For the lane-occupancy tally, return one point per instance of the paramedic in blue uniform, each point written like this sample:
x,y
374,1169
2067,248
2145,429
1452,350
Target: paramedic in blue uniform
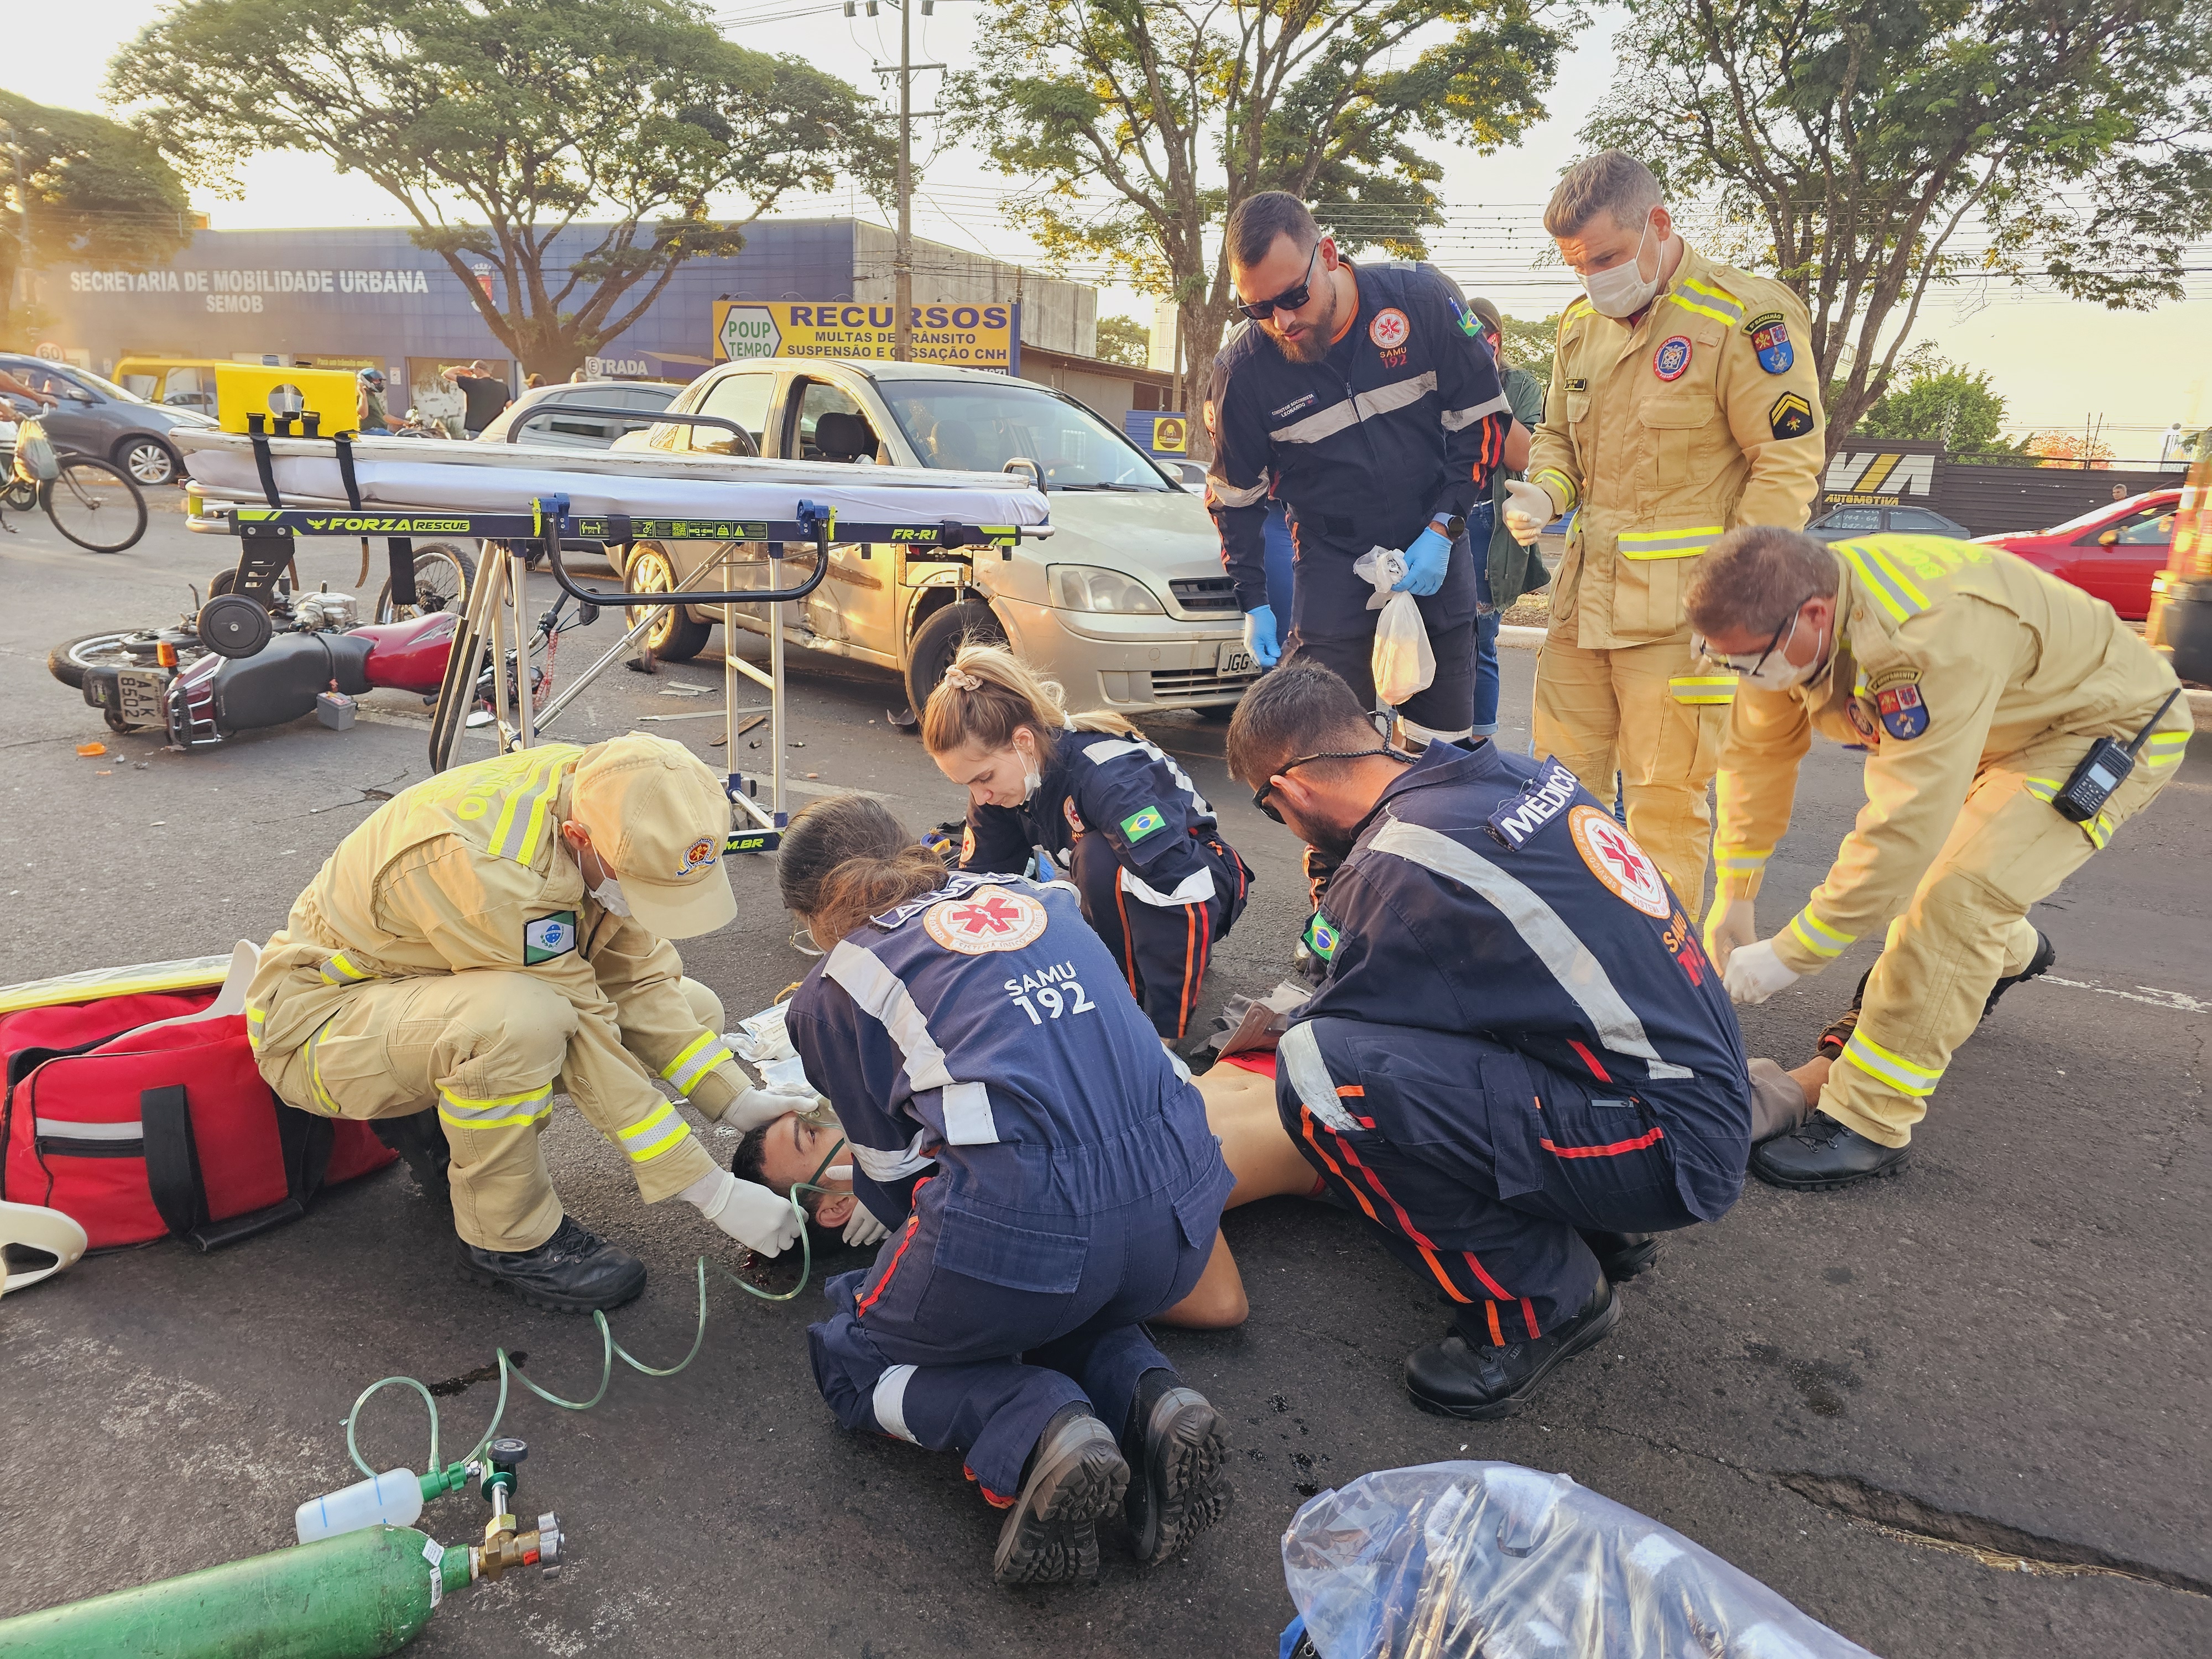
x,y
1360,402
1086,798
1048,1173
1520,1061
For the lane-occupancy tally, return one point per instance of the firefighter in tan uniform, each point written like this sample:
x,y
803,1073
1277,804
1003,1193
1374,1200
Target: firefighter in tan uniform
x,y
1681,405
1977,684
499,933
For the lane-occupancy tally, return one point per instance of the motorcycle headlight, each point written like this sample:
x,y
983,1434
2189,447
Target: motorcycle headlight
x,y
1089,588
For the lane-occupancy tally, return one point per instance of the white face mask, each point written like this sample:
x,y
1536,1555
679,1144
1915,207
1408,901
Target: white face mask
x,y
1778,672
1623,290
608,896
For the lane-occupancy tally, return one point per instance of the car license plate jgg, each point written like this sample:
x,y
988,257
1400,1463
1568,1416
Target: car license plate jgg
x,y
143,696
1236,661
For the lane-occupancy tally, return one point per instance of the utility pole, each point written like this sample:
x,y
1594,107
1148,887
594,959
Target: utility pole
x,y
902,259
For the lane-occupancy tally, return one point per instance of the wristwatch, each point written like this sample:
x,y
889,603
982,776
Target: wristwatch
x,y
1452,528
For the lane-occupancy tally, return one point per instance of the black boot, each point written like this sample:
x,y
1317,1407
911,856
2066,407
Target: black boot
x,y
420,1142
1178,1459
1823,1155
2038,965
1457,1378
1623,1255
576,1271
1075,1475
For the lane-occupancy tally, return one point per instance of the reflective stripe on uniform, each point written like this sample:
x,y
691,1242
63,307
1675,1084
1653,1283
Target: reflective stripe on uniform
x,y
522,820
1568,494
1541,928
1196,888
1579,308
882,994
1741,860
1229,495
1816,936
1887,1066
701,1056
1454,419
1703,688
889,1402
1666,544
2165,747
658,1131
1363,406
339,971
498,1112
884,1168
255,1020
1300,1053
1709,301
1889,585
2098,828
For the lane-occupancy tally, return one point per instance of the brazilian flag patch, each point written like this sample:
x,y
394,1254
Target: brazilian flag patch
x,y
1322,936
1138,825
549,936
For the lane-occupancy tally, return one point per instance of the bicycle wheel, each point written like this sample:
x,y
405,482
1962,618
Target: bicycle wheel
x,y
96,506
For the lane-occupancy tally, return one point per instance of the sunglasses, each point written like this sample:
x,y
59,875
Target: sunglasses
x,y
1260,795
1290,298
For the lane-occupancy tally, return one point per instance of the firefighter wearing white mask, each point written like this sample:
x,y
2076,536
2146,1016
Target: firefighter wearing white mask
x,y
1684,401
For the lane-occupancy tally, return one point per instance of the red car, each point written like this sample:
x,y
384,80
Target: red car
x,y
2112,551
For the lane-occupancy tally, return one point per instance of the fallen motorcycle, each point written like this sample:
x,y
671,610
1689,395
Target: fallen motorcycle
x,y
316,662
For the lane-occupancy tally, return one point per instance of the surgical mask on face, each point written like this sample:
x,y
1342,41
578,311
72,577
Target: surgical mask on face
x,y
1623,290
1030,776
608,894
1778,672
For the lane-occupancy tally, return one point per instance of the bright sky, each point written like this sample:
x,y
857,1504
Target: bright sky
x,y
2058,363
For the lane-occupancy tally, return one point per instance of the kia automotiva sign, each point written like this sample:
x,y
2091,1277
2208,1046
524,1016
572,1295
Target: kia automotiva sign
x,y
240,290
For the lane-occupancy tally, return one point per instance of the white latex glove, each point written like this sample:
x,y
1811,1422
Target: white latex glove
x,y
756,1106
748,1211
1728,928
1755,972
864,1229
1527,510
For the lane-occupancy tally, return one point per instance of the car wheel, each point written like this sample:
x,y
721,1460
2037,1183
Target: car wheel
x,y
677,636
148,460
939,640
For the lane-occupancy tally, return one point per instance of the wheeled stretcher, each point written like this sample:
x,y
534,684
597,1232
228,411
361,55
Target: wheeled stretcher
x,y
527,506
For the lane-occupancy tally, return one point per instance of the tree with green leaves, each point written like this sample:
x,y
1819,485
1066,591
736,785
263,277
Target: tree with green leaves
x,y
1943,402
1124,340
1869,155
1138,128
1529,344
94,192
503,125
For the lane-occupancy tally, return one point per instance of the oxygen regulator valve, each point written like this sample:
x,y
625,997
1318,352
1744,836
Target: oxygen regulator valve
x,y
505,1546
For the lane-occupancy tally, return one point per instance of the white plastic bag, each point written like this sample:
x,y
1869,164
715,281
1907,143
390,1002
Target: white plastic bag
x,y
1403,662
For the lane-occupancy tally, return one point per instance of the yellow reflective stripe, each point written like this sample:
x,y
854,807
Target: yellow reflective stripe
x,y
1898,595
705,1053
315,1069
1579,308
1703,688
1568,493
647,1139
1666,544
522,820
1719,296
2041,788
1816,936
1727,319
2165,747
339,971
255,1019
500,1113
1743,860
1887,1066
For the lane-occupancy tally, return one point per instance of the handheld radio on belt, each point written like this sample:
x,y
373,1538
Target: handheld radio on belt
x,y
2104,769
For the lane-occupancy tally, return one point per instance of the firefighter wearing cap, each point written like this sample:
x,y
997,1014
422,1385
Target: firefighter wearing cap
x,y
1682,402
1977,684
501,932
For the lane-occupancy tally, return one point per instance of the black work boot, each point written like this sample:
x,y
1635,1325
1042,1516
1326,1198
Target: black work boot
x,y
1457,1378
1178,1459
1075,1475
1623,1255
1823,1155
420,1142
2038,965
576,1271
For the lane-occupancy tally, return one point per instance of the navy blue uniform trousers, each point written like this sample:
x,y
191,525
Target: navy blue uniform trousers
x,y
1332,609
1162,950
1481,1166
980,1321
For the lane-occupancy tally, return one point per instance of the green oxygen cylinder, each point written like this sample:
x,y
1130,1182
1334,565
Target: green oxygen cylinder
x,y
354,1596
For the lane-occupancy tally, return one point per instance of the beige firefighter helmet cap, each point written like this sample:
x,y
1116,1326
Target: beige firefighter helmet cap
x,y
658,817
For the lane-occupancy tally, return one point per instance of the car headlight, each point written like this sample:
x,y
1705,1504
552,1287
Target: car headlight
x,y
1089,588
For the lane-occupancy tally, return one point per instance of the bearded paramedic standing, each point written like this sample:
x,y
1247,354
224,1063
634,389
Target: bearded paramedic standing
x,y
1683,401
501,931
1364,405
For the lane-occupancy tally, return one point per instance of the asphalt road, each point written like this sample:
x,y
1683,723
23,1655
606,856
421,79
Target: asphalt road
x,y
1959,1413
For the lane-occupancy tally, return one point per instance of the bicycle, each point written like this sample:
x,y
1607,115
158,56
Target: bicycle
x,y
96,505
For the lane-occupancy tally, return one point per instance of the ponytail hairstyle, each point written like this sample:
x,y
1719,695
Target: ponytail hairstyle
x,y
845,859
988,693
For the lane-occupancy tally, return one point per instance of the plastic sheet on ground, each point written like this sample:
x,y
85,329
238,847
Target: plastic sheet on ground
x,y
1477,1560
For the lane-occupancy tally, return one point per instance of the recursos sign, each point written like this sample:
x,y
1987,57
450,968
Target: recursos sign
x,y
965,335
234,290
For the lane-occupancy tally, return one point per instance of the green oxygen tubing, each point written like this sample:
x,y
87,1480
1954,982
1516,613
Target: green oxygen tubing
x,y
452,1477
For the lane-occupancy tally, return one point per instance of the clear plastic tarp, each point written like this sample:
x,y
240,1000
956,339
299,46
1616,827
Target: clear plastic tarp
x,y
1472,1561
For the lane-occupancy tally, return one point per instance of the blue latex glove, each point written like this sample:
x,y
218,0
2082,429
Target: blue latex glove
x,y
1259,636
1426,561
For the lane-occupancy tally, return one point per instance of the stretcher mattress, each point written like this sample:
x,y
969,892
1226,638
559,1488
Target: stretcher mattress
x,y
427,474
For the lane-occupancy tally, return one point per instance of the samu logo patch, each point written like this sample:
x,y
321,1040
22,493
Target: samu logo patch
x,y
549,936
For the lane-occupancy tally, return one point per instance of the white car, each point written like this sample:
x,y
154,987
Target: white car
x,y
1126,605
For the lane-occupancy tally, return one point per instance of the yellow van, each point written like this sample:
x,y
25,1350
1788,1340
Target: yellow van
x,y
189,382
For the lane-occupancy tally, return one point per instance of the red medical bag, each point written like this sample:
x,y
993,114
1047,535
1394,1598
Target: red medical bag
x,y
136,1132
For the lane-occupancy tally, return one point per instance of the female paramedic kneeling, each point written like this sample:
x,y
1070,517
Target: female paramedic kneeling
x,y
1097,805
974,1024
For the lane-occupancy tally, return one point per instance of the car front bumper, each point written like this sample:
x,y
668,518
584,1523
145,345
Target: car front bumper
x,y
1125,662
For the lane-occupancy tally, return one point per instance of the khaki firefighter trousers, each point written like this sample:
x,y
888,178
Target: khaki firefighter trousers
x,y
1965,926
1646,712
484,1049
